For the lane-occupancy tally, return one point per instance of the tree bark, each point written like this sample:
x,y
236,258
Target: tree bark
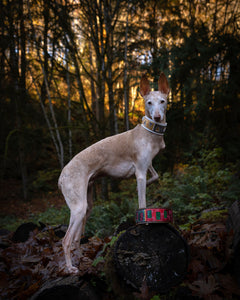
x,y
70,287
18,95
233,224
57,140
125,80
69,107
154,256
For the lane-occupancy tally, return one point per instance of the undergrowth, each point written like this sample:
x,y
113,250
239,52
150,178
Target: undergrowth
x,y
52,216
201,184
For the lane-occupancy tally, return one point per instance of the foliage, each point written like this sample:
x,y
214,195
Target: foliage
x,y
203,183
10,222
52,216
107,216
40,259
210,249
63,89
215,216
46,180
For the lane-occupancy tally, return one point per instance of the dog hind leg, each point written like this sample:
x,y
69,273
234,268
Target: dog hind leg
x,y
81,229
90,205
77,202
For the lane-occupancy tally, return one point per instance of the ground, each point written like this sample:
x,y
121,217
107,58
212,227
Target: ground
x,y
26,267
12,203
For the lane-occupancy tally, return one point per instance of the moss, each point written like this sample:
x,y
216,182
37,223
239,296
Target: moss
x,y
215,216
116,284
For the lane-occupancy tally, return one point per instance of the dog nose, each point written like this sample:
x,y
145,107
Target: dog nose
x,y
157,119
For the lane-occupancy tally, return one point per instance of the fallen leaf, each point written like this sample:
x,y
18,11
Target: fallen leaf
x,y
204,287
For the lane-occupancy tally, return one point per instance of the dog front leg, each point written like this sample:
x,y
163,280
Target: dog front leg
x,y
141,186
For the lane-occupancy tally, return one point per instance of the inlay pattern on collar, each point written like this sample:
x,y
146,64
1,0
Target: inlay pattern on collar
x,y
152,126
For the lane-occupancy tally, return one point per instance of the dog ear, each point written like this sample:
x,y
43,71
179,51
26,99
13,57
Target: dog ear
x,y
163,85
144,86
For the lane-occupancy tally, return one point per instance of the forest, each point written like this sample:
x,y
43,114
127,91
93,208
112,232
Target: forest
x,y
70,75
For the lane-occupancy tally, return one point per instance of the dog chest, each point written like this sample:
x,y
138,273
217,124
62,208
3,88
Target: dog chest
x,y
120,169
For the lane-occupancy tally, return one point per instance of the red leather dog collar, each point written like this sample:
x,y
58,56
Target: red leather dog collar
x,y
154,215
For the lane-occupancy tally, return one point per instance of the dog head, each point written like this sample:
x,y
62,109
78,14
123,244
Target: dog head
x,y
155,101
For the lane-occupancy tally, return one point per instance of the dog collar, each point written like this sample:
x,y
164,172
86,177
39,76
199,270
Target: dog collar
x,y
152,126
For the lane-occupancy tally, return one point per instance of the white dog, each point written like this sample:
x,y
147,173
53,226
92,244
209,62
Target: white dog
x,y
119,156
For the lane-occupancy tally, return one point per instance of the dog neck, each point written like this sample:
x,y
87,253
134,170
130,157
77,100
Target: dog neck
x,y
152,126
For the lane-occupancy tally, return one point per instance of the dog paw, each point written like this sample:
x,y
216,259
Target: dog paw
x,y
73,270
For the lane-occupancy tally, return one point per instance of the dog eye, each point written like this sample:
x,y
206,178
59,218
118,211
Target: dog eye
x,y
162,101
149,103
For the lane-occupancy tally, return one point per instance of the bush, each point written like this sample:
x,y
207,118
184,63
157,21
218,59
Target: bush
x,y
46,180
107,216
202,184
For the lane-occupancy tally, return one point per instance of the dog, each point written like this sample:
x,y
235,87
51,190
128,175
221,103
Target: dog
x,y
119,156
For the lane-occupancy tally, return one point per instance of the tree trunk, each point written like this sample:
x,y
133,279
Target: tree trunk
x,y
45,50
18,95
22,96
69,108
233,223
46,118
125,80
57,140
154,256
111,101
94,106
71,287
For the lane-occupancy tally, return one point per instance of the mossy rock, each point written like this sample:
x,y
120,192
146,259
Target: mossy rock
x,y
215,216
